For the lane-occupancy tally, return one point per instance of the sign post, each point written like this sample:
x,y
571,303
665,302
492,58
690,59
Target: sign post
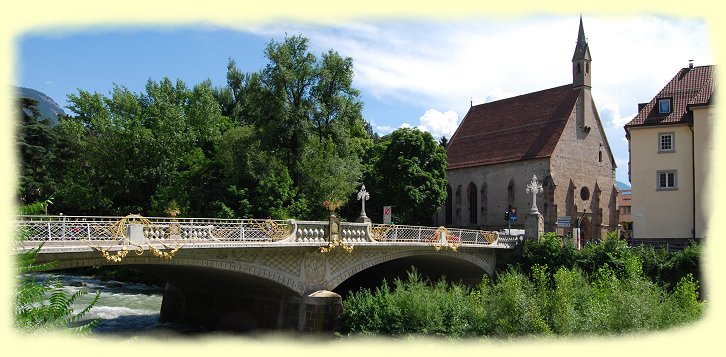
x,y
387,214
563,221
511,216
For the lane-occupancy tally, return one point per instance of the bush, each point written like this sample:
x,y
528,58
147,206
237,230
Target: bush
x,y
564,303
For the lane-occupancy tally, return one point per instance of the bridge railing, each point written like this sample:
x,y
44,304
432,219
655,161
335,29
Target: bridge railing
x,y
433,235
66,228
75,230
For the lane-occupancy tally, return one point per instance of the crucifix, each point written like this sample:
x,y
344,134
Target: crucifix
x,y
534,188
363,196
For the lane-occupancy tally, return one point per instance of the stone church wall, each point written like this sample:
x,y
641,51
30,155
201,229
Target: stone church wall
x,y
493,193
580,161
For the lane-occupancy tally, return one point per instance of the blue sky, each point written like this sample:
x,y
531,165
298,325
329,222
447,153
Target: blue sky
x,y
410,73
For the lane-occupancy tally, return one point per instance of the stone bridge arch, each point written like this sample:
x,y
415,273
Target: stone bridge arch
x,y
301,270
343,267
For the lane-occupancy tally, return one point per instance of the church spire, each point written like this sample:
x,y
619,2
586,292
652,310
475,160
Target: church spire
x,y
581,60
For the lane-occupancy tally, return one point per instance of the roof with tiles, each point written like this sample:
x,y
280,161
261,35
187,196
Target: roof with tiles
x,y
518,128
689,87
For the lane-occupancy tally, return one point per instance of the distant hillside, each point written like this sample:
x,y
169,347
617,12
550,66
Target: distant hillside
x,y
622,185
47,107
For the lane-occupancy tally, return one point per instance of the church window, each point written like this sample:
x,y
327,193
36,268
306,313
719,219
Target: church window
x,y
585,193
599,156
449,205
483,200
471,193
579,68
510,192
587,68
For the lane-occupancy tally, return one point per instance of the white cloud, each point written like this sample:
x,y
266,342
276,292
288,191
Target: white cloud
x,y
383,129
439,124
611,117
433,121
449,64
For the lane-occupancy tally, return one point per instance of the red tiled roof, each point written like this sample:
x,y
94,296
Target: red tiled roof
x,y
519,128
689,87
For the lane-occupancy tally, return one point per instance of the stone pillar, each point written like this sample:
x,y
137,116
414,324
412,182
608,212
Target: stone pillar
x,y
321,311
333,227
533,226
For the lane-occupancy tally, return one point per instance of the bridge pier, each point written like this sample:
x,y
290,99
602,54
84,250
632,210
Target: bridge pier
x,y
250,310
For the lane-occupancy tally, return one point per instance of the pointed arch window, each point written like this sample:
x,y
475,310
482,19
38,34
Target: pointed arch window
x,y
471,194
510,192
483,200
449,205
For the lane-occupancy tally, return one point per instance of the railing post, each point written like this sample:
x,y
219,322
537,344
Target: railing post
x,y
63,228
242,230
136,233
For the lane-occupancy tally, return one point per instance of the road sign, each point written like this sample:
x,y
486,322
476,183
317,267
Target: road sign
x,y
387,214
564,221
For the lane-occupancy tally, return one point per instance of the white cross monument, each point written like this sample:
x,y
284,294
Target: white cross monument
x,y
534,188
534,225
363,196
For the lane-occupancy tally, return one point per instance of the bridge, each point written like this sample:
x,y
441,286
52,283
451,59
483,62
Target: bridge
x,y
250,273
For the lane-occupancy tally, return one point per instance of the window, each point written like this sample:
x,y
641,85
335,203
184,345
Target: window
x,y
449,206
664,106
585,193
666,142
471,193
667,180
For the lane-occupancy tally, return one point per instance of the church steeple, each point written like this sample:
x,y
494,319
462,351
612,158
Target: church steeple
x,y
581,61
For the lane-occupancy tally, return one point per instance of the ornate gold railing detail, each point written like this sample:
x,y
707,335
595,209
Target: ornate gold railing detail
x,y
119,229
449,240
380,231
272,229
334,244
115,237
488,236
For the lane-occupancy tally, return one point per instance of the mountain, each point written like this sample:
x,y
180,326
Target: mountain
x,y
622,185
47,107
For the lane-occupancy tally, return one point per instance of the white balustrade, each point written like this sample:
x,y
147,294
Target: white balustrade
x,y
80,230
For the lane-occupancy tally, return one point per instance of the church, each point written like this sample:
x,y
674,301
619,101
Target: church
x,y
555,134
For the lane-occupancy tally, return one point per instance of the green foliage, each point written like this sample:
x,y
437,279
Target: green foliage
x,y
658,265
413,307
549,249
43,305
407,170
35,140
567,302
611,251
274,143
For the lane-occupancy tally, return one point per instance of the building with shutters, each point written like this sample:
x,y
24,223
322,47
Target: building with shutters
x,y
670,145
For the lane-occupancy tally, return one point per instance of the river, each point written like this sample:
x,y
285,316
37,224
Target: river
x,y
123,308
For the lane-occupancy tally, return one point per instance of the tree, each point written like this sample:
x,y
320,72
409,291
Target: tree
x,y
305,112
409,174
35,141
